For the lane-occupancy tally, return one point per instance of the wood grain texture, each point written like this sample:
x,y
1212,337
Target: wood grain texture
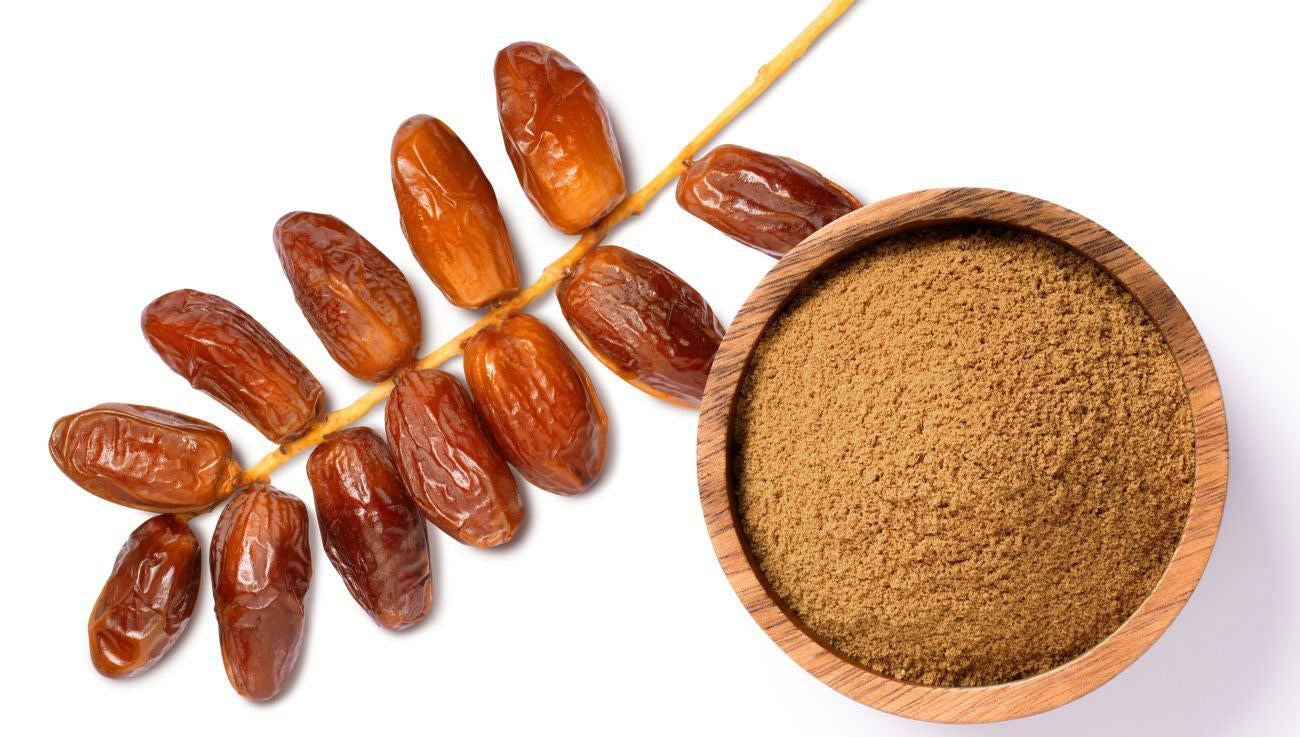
x,y
853,233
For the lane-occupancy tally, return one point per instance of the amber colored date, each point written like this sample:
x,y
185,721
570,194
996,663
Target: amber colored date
x,y
147,600
643,322
261,567
144,457
222,351
558,136
358,302
371,530
539,404
450,215
767,202
452,467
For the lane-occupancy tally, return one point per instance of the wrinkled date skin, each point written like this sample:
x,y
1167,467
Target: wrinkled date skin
x,y
261,567
358,302
539,404
452,467
767,202
558,136
643,322
372,532
145,458
450,215
222,351
147,600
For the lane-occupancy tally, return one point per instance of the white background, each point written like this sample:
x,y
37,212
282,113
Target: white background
x,y
149,147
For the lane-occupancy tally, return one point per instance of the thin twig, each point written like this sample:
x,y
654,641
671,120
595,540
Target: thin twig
x,y
632,205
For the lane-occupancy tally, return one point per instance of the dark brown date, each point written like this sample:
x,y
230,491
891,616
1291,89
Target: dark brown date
x,y
371,530
539,404
358,302
767,202
558,136
145,458
450,215
148,599
643,322
452,467
222,351
261,567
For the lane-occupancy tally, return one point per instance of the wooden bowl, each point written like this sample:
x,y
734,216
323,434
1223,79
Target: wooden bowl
x,y
1069,680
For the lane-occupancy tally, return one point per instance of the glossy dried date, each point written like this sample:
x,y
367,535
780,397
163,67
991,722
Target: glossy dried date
x,y
643,322
358,302
144,457
261,567
222,351
539,404
767,202
148,599
452,467
558,136
450,215
371,530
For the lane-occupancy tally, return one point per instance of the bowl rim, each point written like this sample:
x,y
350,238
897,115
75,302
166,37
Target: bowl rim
x,y
1070,680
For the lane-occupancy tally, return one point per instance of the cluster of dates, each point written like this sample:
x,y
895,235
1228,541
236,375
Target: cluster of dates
x,y
449,450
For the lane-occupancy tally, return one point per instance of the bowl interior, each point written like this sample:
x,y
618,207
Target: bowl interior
x,y
852,233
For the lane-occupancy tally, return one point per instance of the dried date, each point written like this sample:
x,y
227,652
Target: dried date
x,y
371,530
358,302
539,404
261,568
222,351
452,467
147,600
642,321
450,215
145,458
767,202
558,136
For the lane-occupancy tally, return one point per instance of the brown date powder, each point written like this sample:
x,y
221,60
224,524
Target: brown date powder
x,y
963,456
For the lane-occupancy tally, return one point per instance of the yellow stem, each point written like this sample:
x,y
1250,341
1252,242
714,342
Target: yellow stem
x,y
631,205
